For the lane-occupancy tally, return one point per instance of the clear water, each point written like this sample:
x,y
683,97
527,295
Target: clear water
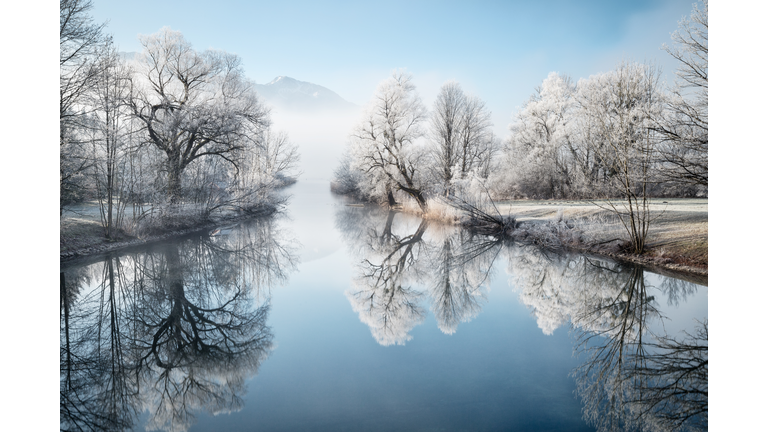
x,y
336,317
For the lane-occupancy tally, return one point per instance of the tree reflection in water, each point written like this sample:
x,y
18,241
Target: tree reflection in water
x,y
631,378
397,260
172,331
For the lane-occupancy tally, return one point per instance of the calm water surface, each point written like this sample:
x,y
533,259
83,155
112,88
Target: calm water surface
x,y
335,317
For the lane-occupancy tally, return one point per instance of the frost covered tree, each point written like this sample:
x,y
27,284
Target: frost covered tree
x,y
80,40
477,145
385,145
617,113
460,134
195,105
540,152
685,132
445,126
110,130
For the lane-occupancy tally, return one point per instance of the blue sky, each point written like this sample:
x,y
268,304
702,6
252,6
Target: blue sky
x,y
498,50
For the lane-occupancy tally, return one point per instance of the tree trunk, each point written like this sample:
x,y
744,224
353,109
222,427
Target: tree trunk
x,y
174,182
390,197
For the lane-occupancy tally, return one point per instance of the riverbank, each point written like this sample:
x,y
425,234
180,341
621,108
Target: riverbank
x,y
677,239
677,242
82,236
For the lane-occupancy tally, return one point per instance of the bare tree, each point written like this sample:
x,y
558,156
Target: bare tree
x,y
619,109
79,42
111,128
684,153
195,105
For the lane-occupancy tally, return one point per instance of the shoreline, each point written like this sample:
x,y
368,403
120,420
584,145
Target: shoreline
x,y
676,245
690,273
91,244
96,246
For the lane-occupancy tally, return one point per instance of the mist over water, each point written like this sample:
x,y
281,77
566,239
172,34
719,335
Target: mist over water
x,y
321,137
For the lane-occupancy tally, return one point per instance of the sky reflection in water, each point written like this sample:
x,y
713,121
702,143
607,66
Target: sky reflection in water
x,y
374,321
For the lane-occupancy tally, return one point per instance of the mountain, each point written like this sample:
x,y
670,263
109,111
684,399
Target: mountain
x,y
289,95
299,96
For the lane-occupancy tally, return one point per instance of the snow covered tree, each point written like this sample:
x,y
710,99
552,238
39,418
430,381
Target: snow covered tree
x,y
195,105
385,144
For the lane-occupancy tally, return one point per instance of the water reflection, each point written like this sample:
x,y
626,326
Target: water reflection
x,y
401,266
633,375
172,331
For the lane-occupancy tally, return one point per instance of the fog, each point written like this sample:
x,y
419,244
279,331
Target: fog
x,y
321,137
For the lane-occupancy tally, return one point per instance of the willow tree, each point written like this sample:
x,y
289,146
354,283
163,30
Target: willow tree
x,y
195,105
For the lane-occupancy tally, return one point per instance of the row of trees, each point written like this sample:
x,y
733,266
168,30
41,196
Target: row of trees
x,y
616,130
174,132
620,136
400,149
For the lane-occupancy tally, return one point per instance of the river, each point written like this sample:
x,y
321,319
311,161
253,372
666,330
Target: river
x,y
335,317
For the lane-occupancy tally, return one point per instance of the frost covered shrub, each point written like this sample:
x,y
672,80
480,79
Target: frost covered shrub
x,y
346,180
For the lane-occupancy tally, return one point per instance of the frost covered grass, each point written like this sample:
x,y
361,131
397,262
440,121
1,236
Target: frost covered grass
x,y
678,233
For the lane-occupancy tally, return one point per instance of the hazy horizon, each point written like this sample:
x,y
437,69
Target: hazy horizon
x,y
499,51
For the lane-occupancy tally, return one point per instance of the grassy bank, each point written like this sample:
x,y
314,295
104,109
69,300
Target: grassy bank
x,y
677,241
